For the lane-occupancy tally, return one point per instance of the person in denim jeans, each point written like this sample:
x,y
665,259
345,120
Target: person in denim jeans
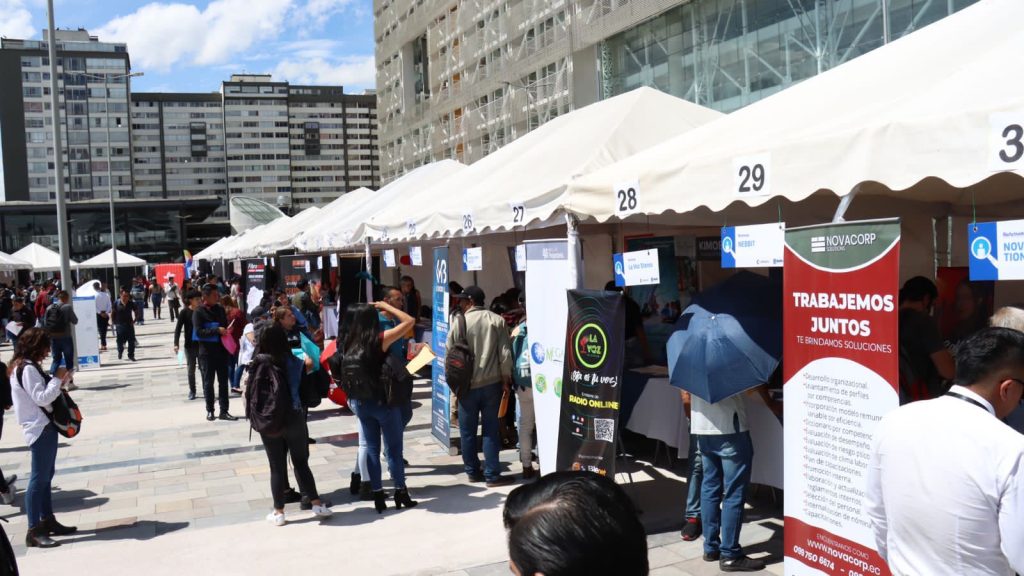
x,y
692,526
31,391
361,336
488,337
723,439
62,344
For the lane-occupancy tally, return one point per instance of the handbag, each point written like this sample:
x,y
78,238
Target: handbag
x,y
228,341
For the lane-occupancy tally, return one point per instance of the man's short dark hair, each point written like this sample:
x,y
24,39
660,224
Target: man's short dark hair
x,y
990,352
192,294
915,289
302,284
384,291
569,523
208,288
63,295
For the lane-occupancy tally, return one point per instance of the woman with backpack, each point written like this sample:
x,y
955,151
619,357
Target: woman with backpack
x,y
274,409
32,391
363,350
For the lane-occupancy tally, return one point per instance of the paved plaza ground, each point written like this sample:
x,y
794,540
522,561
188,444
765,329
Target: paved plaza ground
x,y
156,489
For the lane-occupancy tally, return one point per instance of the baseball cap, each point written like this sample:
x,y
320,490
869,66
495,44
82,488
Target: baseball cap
x,y
473,293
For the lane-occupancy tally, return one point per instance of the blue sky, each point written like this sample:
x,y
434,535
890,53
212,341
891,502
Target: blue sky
x,y
192,45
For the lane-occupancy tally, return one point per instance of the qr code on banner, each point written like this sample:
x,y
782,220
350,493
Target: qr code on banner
x,y
604,429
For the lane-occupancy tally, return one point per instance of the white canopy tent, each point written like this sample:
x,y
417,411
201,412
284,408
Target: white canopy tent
x,y
346,231
930,118
208,252
106,260
314,238
9,263
41,258
279,234
522,183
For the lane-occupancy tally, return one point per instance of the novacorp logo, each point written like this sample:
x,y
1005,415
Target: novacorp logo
x,y
441,272
537,351
840,242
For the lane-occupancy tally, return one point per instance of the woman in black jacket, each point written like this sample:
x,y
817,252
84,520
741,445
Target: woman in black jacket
x,y
275,367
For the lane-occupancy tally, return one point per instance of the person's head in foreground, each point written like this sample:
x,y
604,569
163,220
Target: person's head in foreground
x,y
574,524
991,363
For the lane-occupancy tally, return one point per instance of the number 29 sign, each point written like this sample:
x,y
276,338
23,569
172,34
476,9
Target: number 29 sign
x,y
751,175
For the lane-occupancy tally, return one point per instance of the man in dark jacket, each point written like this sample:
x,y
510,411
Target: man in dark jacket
x,y
209,323
184,325
124,312
62,345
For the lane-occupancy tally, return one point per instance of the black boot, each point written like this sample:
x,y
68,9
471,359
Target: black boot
x,y
365,491
353,485
380,501
402,499
55,528
38,538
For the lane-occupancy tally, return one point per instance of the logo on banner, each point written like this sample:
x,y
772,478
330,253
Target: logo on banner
x,y
840,242
441,272
537,351
620,271
984,264
591,346
540,383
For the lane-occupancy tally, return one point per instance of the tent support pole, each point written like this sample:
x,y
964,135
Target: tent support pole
x,y
369,270
572,224
844,204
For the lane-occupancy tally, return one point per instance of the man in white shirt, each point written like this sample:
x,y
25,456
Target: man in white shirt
x,y
103,308
945,488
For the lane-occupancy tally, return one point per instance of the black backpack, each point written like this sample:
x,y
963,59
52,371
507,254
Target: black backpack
x,y
52,318
267,400
459,361
396,381
355,376
64,413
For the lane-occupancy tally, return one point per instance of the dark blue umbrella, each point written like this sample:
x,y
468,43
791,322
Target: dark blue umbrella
x,y
729,340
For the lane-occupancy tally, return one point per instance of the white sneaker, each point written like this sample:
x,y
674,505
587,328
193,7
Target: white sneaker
x,y
276,519
322,511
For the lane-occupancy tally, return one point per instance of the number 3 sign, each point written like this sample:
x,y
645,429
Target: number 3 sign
x,y
751,175
1006,141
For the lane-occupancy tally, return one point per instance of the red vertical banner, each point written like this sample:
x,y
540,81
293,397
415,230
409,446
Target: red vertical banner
x,y
841,371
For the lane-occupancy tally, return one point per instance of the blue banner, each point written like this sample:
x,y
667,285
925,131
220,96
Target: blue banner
x,y
441,411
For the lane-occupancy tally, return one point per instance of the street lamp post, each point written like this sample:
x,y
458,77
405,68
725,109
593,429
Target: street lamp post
x,y
110,180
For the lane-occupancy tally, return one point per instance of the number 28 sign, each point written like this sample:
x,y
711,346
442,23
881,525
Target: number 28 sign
x,y
627,198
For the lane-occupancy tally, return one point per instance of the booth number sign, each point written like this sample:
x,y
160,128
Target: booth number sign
x,y
627,198
751,175
467,223
518,213
1006,141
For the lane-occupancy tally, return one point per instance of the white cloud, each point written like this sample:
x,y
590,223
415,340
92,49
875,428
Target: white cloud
x,y
349,71
318,12
160,36
16,20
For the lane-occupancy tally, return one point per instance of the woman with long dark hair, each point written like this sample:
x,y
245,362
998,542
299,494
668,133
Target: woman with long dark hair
x,y
32,392
360,337
274,359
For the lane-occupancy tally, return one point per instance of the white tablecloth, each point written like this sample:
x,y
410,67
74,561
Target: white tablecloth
x,y
659,414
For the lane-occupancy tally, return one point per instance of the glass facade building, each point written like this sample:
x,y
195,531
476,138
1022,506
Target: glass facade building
x,y
725,54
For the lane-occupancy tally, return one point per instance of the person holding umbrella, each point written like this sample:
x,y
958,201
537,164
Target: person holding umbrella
x,y
726,344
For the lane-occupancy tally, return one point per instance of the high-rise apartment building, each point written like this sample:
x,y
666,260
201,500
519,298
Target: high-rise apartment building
x,y
460,78
171,156
83,62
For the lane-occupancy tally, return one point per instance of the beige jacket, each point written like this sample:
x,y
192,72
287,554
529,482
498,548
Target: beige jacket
x,y
489,340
